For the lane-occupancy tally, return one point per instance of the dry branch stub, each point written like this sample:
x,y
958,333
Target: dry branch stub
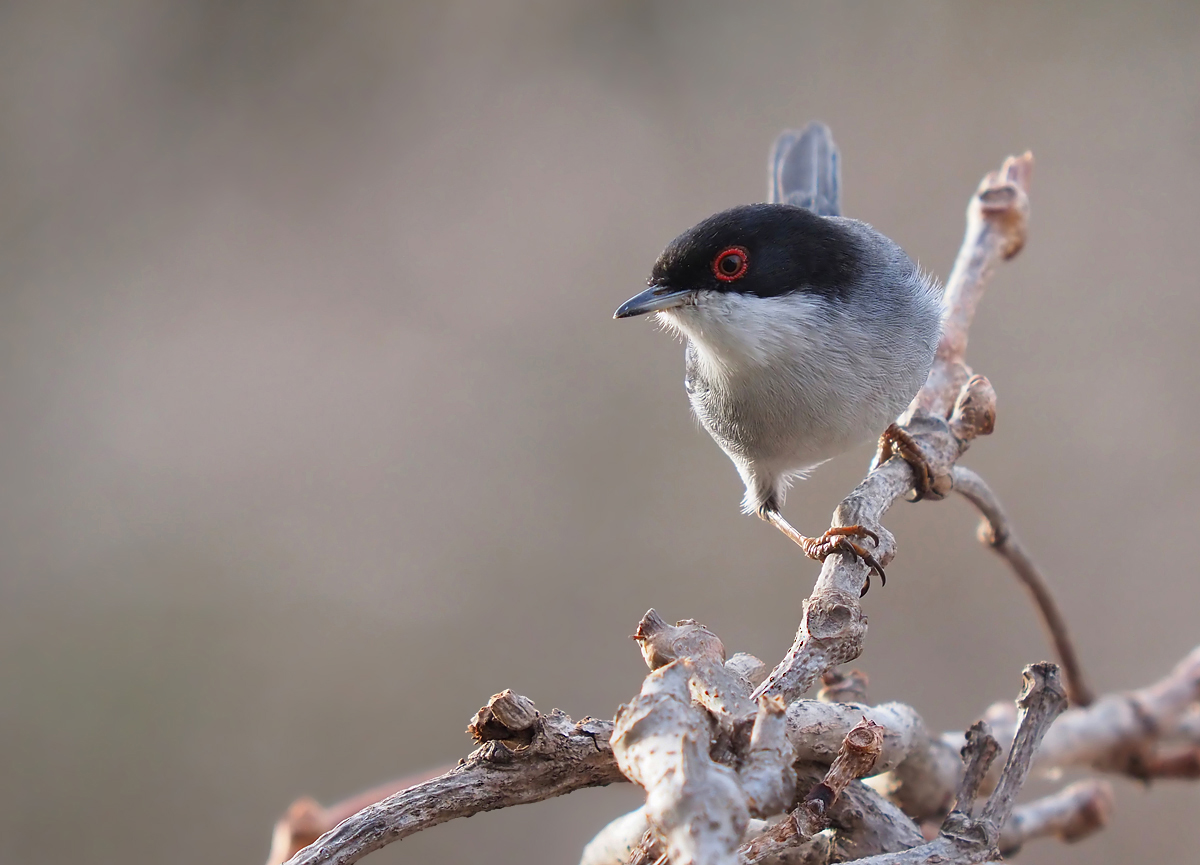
x,y
1042,700
978,755
856,759
507,717
661,642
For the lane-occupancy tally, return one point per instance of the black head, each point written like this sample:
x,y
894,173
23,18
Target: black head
x,y
764,250
761,249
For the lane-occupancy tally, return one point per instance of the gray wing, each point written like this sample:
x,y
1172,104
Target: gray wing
x,y
804,169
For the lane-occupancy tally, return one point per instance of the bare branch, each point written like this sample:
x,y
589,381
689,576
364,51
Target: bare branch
x,y
978,754
965,840
833,626
856,759
661,642
1042,700
817,730
1142,723
996,225
661,742
767,776
306,820
559,757
996,531
1070,815
1119,732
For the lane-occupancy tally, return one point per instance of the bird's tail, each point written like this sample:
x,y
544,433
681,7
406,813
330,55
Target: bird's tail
x,y
805,170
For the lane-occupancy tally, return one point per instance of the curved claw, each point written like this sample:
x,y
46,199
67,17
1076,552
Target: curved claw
x,y
837,540
870,561
897,441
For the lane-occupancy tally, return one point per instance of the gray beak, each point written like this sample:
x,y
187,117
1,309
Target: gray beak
x,y
653,299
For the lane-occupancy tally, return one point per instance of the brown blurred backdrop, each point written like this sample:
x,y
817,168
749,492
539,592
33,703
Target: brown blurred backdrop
x,y
316,430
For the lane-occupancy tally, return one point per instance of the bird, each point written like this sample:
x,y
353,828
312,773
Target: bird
x,y
807,333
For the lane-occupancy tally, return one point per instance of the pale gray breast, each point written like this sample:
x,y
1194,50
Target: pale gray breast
x,y
841,379
786,414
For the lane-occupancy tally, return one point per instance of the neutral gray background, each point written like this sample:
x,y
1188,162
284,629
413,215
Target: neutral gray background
x,y
315,429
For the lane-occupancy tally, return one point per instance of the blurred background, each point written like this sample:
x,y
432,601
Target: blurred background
x,y
317,431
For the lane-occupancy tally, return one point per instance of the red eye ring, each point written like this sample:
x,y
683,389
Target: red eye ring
x,y
731,263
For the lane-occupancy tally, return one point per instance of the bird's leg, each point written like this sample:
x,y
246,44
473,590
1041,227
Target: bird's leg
x,y
896,441
835,540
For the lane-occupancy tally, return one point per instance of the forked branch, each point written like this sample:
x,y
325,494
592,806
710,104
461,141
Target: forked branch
x,y
966,840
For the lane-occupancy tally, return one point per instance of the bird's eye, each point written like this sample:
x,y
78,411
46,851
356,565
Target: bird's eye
x,y
730,264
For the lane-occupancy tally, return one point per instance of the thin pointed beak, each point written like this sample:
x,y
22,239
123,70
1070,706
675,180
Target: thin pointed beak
x,y
653,299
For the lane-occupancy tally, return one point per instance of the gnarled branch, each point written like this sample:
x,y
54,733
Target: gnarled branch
x,y
543,757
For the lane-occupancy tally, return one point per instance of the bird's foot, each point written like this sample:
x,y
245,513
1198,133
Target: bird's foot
x,y
836,540
897,441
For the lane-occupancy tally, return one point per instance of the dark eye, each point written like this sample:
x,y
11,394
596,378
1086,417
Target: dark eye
x,y
730,264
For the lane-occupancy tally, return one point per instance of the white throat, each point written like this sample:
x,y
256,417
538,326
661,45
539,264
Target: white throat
x,y
735,332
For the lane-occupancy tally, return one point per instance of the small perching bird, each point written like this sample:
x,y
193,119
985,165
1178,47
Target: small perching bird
x,y
807,333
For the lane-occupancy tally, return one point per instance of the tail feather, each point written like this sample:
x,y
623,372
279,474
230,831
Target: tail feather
x,y
805,170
